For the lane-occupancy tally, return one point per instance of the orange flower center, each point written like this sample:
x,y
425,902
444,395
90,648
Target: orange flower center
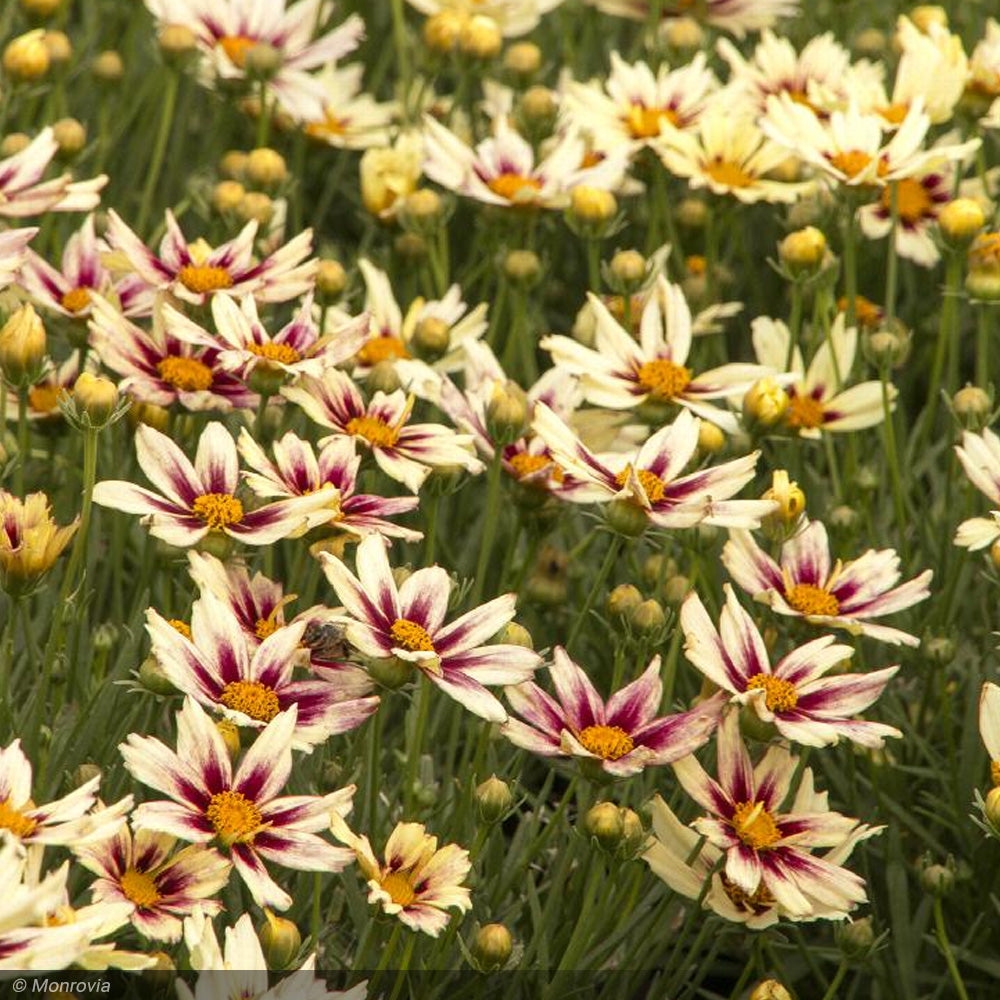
x,y
755,902
780,695
265,627
663,379
515,188
894,114
411,636
525,464
399,887
44,398
644,123
607,742
374,430
912,201
182,627
15,821
865,311
850,162
382,349
995,771
331,125
76,300
185,374
204,278
728,174
755,826
236,48
804,412
282,353
651,482
218,510
139,887
810,600
252,698
236,819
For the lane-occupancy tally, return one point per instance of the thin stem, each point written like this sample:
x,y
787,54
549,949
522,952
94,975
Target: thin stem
x,y
602,575
942,938
489,524
893,456
831,993
415,745
892,263
264,118
159,148
22,439
947,331
983,347
399,40
850,265
794,323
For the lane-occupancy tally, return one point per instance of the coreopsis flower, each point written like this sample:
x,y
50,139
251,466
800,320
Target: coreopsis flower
x,y
74,820
162,886
984,64
408,623
803,584
244,346
649,479
804,706
622,373
512,17
155,367
30,540
766,849
388,175
24,193
296,470
418,882
502,170
201,498
81,275
14,252
679,855
980,458
242,811
820,398
633,103
351,118
229,30
196,271
622,736
989,726
735,16
403,451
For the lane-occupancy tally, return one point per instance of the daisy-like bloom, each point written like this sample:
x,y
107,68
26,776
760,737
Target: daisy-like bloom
x,y
228,29
24,193
512,17
403,451
984,65
244,345
980,458
418,882
765,849
803,584
30,540
201,498
728,155
634,103
297,470
389,174
242,811
738,17
820,398
673,853
622,373
804,706
81,275
621,736
650,478
503,171
162,887
13,253
155,367
73,820
989,726
351,118
196,271
407,622
216,668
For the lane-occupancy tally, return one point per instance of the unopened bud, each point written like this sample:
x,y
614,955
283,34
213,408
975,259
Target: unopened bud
x,y
844,516
422,206
592,206
648,617
256,206
22,347
683,33
711,439
633,833
938,880
991,807
493,799
107,66
390,672
802,252
443,30
266,168
14,143
153,677
96,396
432,338
280,940
770,989
856,938
515,634
972,406
27,58
71,137
870,42
85,772
604,823
960,221
262,61
523,60
929,15
626,518
623,600
507,413
492,947
676,588
889,345
939,649
765,403
59,47
538,108
233,165
522,267
227,196
480,37
410,246
331,279
151,415
176,41
692,213
629,268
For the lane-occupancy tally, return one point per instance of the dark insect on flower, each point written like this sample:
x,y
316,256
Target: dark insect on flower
x,y
326,641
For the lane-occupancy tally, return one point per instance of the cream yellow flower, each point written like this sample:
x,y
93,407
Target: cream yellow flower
x,y
30,541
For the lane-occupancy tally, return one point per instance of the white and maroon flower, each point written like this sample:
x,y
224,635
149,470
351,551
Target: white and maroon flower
x,y
75,819
418,882
735,16
195,271
803,584
765,848
250,688
163,887
24,193
804,706
201,498
621,373
512,17
298,471
408,622
980,458
13,253
242,811
43,396
989,726
351,117
650,478
403,451
623,735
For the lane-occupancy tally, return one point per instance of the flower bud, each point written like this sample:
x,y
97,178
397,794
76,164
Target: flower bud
x,y
492,947
443,30
331,279
623,600
648,617
960,221
107,66
855,938
633,833
227,196
153,677
262,61
538,109
410,246
938,880
233,165
889,345
523,60
983,284
711,439
991,807
60,48
870,42
71,137
493,799
626,518
280,940
765,403
432,338
515,634
423,206
522,267
43,9
480,37
676,588
85,772
27,57
770,989
96,396
390,672
939,649
802,252
972,406
592,206
230,734
628,267
151,415
683,33
604,823
507,413
844,516
14,143
266,168
692,213
22,347
255,206
176,41
929,15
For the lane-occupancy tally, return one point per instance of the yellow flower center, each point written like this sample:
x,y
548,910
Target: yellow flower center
x,y
755,826
850,162
282,353
265,627
236,48
330,125
182,627
756,902
382,349
218,510
140,887
374,430
525,464
866,312
651,482
607,742
515,188
912,201
251,698
236,819
411,636
810,600
185,374
780,695
663,378
804,412
15,821
44,398
204,278
399,887
76,300
894,113
728,174
696,264
644,123
995,771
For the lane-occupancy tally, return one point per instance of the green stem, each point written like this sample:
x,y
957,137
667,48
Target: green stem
x,y
893,457
942,938
983,347
415,745
794,323
850,265
892,263
399,40
594,265
159,149
602,575
838,978
489,524
22,439
264,118
947,331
